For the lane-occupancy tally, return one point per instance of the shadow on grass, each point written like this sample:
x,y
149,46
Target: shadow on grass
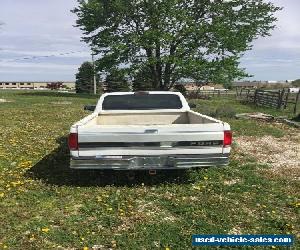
x,y
59,94
54,169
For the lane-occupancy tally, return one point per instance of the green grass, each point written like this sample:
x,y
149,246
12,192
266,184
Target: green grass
x,y
44,204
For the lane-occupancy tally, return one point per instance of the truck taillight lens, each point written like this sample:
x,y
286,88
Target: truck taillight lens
x,y
227,138
73,141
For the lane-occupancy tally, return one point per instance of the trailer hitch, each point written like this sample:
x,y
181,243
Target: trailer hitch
x,y
152,172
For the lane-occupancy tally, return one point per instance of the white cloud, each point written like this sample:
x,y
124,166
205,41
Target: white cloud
x,y
277,56
40,28
49,66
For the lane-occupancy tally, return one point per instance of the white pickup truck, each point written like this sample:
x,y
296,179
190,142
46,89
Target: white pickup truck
x,y
147,130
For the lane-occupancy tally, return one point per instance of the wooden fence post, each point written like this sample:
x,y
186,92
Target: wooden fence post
x,y
255,96
280,98
286,98
248,93
296,102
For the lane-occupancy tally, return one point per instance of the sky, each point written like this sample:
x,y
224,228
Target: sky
x,y
42,28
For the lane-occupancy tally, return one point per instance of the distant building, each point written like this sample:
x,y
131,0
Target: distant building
x,y
206,87
192,86
34,85
249,84
260,84
294,90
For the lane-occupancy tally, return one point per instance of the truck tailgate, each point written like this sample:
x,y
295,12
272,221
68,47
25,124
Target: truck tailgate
x,y
98,140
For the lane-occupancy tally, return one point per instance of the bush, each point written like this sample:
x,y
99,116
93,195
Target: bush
x,y
227,85
225,111
296,83
220,111
206,110
180,88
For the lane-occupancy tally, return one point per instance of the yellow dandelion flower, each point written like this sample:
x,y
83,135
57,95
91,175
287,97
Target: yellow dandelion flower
x,y
45,230
85,248
197,187
1,195
15,183
167,248
25,164
113,243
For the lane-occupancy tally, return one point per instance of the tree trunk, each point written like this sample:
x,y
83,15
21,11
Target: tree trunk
x,y
168,69
158,64
155,82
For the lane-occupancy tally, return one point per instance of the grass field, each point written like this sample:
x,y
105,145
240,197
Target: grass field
x,y
45,205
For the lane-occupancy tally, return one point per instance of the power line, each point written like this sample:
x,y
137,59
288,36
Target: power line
x,y
46,56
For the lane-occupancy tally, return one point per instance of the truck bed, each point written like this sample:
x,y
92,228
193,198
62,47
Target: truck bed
x,y
157,118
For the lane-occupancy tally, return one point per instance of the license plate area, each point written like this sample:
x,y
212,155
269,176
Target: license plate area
x,y
152,161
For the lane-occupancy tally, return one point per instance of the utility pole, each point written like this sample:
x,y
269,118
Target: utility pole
x,y
94,69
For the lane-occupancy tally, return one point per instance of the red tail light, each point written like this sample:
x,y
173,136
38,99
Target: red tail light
x,y
73,141
227,138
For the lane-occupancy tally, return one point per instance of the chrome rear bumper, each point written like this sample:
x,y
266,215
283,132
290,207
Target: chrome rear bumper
x,y
149,162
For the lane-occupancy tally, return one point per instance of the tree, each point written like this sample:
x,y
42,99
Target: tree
x,y
116,81
227,85
199,39
142,80
54,85
85,79
296,83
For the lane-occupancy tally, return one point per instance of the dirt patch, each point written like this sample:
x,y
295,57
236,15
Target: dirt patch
x,y
231,182
281,154
151,210
61,103
145,212
5,100
235,230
